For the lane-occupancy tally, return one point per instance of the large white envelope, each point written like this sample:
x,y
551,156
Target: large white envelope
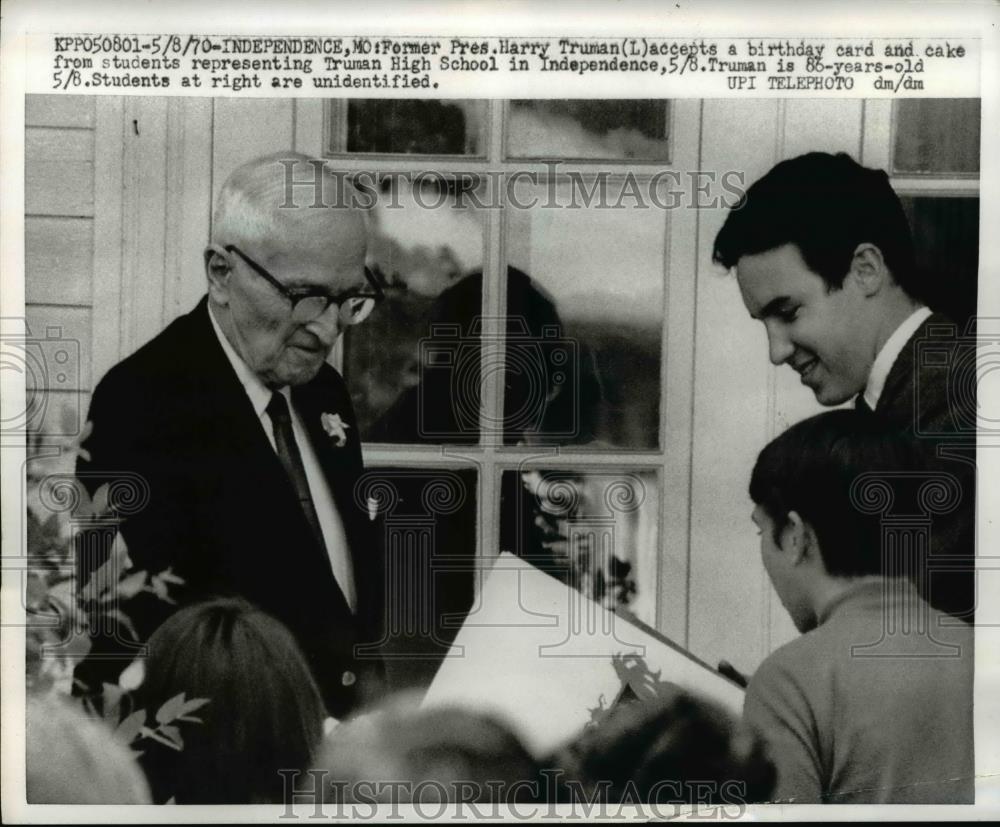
x,y
547,659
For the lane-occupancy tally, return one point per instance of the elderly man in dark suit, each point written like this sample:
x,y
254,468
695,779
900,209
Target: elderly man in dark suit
x,y
245,435
824,259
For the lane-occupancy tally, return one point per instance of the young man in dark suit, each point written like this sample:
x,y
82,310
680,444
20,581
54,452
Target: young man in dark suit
x,y
243,439
824,259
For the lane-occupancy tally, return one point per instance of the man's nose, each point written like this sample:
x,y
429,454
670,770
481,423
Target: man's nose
x,y
780,347
327,326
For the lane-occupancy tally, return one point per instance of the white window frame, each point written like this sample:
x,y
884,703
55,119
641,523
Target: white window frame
x,y
671,460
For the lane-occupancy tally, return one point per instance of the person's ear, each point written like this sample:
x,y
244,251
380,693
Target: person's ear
x,y
218,271
868,270
796,538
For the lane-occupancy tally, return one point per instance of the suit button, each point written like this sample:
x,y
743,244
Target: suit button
x,y
348,678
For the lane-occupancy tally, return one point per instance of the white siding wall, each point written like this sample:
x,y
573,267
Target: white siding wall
x,y
59,240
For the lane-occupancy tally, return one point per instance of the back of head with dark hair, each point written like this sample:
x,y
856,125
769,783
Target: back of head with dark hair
x,y
264,713
671,749
826,205
811,468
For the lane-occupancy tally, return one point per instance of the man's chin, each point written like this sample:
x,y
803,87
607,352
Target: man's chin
x,y
300,374
831,397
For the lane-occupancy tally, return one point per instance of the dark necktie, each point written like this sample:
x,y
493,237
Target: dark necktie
x,y
291,459
861,404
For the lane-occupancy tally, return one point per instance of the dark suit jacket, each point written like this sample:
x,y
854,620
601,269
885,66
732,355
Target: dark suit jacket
x,y
222,512
930,394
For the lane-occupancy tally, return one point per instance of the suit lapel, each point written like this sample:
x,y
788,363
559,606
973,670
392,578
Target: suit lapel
x,y
250,468
898,401
239,433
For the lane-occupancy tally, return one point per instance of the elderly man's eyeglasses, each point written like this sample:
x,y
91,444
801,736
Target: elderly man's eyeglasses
x,y
353,306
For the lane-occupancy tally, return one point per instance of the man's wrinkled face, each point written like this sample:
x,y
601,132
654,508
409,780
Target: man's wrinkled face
x,y
824,335
279,349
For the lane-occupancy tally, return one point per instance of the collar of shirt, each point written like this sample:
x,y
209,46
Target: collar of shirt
x,y
257,391
881,593
889,353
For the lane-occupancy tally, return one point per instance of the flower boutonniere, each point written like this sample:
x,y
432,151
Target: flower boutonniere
x,y
336,428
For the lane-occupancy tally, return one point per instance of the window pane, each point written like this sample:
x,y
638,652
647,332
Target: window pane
x,y
429,535
425,242
946,243
603,272
606,129
409,127
936,136
596,530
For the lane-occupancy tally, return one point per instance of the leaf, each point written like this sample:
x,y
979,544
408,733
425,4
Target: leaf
x,y
119,552
160,589
168,576
155,736
131,585
170,709
102,581
99,505
132,676
122,618
62,602
173,734
129,729
62,592
84,504
192,705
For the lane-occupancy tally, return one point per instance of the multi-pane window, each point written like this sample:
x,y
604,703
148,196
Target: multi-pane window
x,y
935,169
520,344
538,351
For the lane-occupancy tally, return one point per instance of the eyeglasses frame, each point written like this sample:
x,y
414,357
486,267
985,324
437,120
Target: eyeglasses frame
x,y
295,297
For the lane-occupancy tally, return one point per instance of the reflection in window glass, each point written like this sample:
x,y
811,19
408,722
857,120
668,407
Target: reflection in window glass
x,y
603,270
946,244
936,136
609,129
595,530
410,127
428,526
422,245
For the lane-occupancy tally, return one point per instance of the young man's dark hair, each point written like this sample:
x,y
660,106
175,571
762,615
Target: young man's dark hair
x,y
811,469
826,205
672,748
873,703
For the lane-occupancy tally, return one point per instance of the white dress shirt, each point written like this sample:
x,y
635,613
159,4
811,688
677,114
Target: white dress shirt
x,y
889,353
330,522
